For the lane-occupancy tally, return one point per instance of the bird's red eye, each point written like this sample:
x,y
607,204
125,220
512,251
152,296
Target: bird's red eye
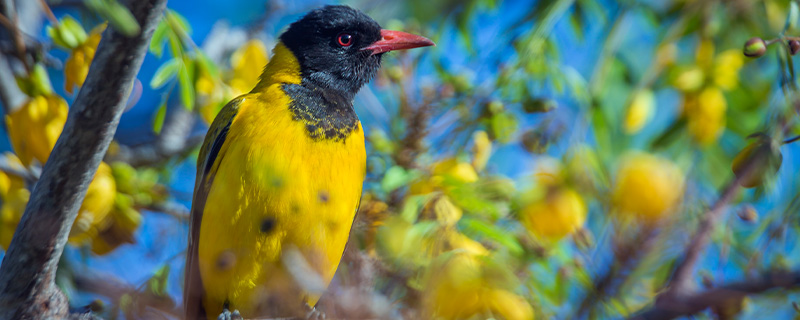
x,y
345,40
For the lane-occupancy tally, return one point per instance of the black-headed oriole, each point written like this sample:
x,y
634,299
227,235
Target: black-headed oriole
x,y
280,173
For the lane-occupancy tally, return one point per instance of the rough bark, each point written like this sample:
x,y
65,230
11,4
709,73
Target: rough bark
x,y
27,273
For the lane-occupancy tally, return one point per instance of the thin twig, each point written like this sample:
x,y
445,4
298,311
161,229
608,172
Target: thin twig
x,y
627,256
790,140
681,281
669,308
172,209
114,288
10,94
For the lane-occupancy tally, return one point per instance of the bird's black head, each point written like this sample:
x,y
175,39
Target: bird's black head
x,y
340,48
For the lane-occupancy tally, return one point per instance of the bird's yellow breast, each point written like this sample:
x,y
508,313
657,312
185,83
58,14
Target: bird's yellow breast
x,y
276,192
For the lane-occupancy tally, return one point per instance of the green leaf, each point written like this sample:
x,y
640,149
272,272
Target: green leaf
x,y
503,126
158,122
493,232
157,285
121,19
67,38
397,177
791,18
117,15
175,44
165,72
206,64
186,84
178,22
157,42
412,207
669,135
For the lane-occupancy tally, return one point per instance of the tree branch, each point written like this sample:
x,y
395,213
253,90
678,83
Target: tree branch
x,y
681,282
27,274
114,288
10,95
670,308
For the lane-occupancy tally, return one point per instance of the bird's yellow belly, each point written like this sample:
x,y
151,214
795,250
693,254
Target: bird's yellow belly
x,y
279,210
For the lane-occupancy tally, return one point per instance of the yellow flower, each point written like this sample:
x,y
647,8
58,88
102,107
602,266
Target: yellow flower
x,y
247,63
690,79
444,211
703,86
558,213
705,115
508,305
14,199
95,207
726,69
482,150
639,111
14,203
647,187
34,128
450,169
77,65
459,286
119,226
415,245
211,95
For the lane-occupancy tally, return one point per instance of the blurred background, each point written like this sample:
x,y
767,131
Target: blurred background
x,y
548,159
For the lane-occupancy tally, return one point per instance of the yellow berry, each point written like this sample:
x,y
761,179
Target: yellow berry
x,y
560,212
647,187
639,111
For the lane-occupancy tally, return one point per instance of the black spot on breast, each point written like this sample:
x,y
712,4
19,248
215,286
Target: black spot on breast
x,y
267,224
324,196
276,182
226,260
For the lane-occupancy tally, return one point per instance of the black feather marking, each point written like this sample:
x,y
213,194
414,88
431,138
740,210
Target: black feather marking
x,y
215,147
326,114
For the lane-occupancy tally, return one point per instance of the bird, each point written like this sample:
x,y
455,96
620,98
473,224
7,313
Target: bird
x,y
281,169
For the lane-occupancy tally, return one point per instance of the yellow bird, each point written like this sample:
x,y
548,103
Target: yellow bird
x,y
280,173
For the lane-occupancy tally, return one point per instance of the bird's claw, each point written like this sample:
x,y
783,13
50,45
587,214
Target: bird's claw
x,y
228,315
314,314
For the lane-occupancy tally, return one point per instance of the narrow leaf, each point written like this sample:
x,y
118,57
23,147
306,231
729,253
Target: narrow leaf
x,y
165,72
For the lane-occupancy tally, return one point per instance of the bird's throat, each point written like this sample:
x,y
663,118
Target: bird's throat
x,y
326,114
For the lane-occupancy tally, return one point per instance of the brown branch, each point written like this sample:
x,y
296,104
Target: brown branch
x,y
10,95
670,308
681,282
628,253
173,209
27,274
114,288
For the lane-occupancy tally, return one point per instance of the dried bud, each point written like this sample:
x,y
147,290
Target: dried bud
x,y
756,162
794,46
748,214
537,105
584,239
707,281
535,141
755,47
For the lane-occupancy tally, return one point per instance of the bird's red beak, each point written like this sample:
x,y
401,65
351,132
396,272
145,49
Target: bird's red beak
x,y
396,40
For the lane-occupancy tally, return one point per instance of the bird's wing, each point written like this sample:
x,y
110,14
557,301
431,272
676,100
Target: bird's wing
x,y
211,154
